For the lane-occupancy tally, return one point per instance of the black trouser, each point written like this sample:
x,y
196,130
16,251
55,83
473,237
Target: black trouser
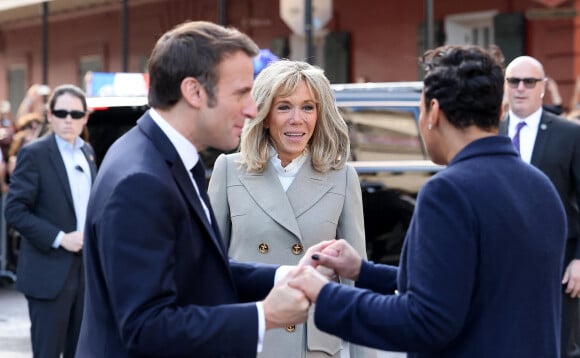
x,y
55,324
570,321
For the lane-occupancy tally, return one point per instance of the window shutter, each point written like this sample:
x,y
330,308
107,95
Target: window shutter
x,y
337,56
509,34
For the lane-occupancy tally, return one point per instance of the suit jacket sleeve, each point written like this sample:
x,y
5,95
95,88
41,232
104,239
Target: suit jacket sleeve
x,y
22,210
378,278
253,280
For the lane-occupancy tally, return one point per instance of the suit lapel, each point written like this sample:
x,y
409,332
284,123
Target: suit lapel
x,y
59,168
271,198
91,160
541,137
181,176
541,140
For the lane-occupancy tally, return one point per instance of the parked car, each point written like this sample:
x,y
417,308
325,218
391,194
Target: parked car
x,y
390,157
387,152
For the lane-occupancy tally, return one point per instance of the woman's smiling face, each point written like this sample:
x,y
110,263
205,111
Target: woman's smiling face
x,y
291,122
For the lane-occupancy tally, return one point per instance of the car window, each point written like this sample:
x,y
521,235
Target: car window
x,y
377,134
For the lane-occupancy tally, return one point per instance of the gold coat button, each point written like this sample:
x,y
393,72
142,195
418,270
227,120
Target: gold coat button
x,y
297,249
291,328
263,248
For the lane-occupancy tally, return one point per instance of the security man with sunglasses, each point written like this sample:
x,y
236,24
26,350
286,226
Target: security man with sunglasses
x,y
552,144
46,203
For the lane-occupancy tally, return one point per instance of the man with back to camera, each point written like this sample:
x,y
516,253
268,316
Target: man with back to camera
x,y
552,144
159,282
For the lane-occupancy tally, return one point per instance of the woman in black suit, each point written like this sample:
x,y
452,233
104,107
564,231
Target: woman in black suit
x,y
46,204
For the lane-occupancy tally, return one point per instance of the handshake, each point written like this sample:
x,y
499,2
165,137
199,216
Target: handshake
x,y
289,300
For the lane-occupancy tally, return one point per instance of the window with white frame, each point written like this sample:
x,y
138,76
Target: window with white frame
x,y
474,28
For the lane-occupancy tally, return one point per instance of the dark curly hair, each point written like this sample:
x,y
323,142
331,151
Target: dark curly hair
x,y
468,83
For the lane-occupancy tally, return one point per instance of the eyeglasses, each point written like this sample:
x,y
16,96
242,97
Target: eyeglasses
x,y
529,82
62,114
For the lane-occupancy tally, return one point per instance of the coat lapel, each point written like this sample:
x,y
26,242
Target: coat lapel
x,y
181,176
59,168
541,137
308,188
271,198
91,160
541,140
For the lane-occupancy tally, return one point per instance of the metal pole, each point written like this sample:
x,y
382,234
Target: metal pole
x,y
308,30
125,34
430,28
223,12
45,42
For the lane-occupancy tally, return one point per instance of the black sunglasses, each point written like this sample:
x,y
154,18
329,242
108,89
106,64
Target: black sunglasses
x,y
61,113
529,82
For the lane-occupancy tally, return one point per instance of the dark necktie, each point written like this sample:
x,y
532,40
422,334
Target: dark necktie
x,y
198,172
516,139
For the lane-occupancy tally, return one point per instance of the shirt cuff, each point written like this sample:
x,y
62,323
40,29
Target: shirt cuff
x,y
281,272
261,325
56,242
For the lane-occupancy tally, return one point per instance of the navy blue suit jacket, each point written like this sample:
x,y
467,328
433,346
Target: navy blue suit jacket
x,y
480,269
158,281
39,205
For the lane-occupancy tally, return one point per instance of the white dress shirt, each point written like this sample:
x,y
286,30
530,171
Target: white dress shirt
x,y
527,133
79,178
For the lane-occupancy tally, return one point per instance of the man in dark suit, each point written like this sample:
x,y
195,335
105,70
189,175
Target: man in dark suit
x,y
46,204
159,282
480,268
552,144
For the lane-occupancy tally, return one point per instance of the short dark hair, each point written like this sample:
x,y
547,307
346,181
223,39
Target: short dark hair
x,y
192,49
66,89
468,82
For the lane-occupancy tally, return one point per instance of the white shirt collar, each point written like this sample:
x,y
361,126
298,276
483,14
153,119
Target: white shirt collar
x,y
533,121
185,149
63,145
292,168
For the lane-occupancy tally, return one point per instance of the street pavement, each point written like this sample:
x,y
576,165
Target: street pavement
x,y
15,326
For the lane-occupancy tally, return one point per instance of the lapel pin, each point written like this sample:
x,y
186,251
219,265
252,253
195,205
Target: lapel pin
x,y
91,158
543,126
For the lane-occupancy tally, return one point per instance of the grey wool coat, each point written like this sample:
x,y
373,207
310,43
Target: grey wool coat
x,y
262,223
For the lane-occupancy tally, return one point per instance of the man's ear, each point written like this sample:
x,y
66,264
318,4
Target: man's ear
x,y
192,91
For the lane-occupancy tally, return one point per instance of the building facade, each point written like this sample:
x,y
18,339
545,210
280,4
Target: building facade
x,y
365,40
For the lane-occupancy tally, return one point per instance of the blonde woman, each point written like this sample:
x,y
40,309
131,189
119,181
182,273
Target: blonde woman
x,y
289,188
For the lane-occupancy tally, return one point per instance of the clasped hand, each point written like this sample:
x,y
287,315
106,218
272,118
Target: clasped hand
x,y
289,300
